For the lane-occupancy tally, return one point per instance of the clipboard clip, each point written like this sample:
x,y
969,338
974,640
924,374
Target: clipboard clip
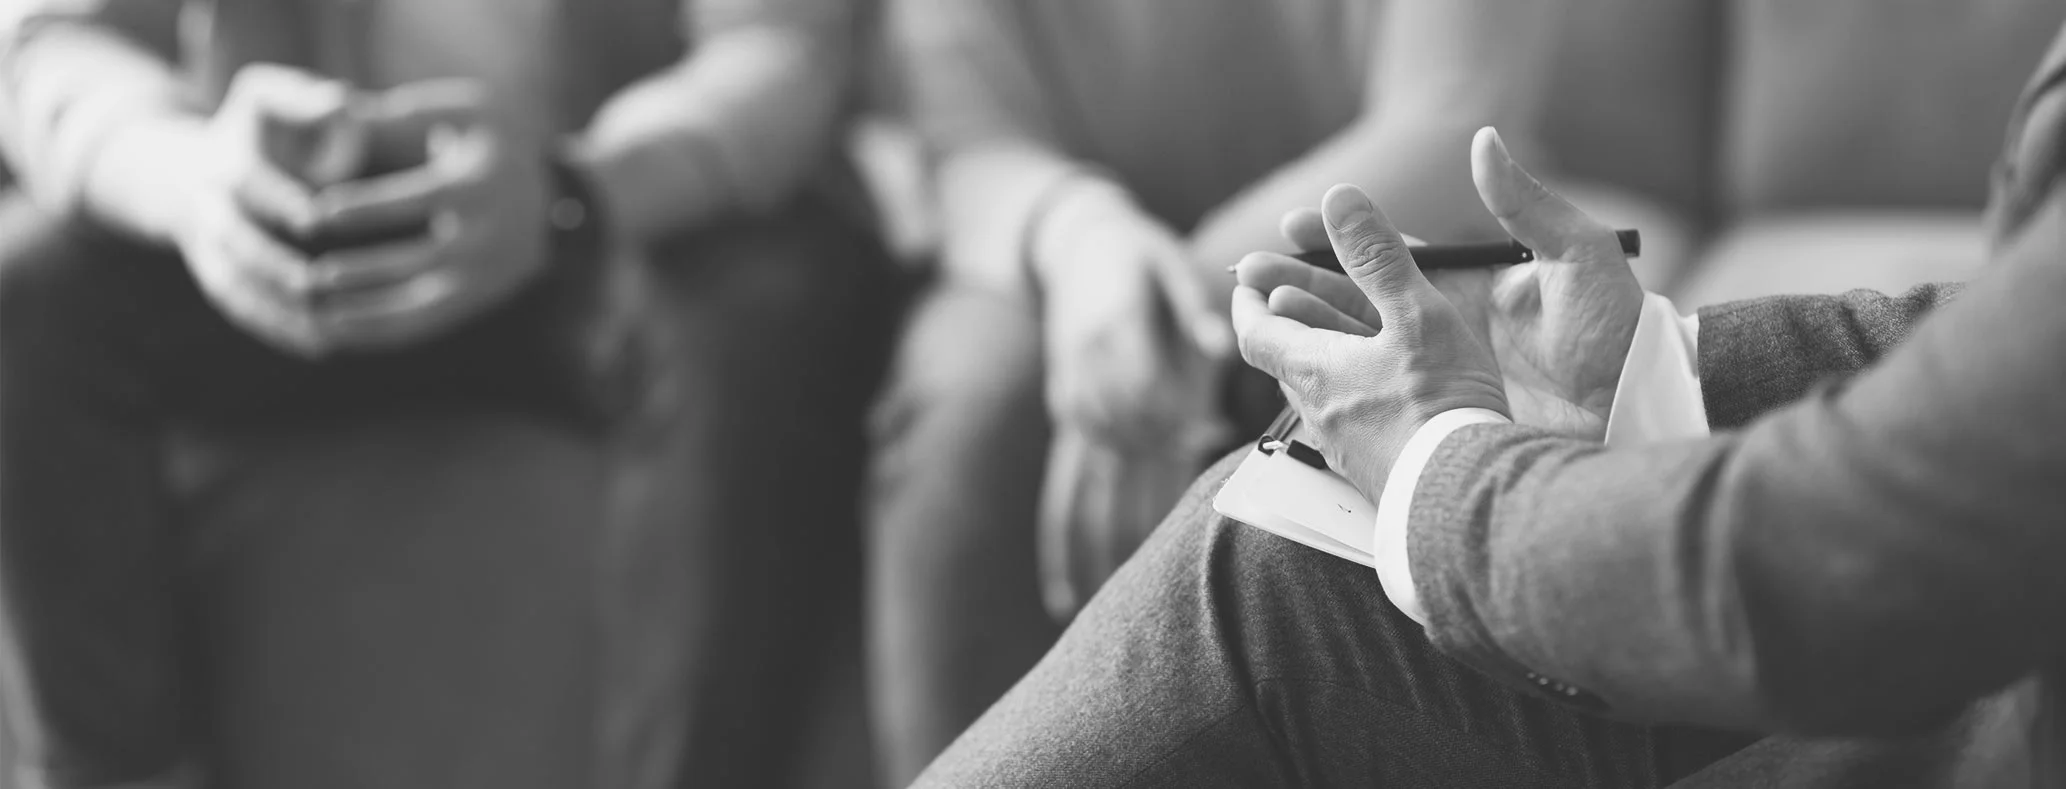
x,y
1277,437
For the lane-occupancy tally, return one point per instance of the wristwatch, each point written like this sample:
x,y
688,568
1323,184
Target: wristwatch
x,y
572,208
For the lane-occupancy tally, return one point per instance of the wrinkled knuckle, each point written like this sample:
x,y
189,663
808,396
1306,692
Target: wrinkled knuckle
x,y
1596,235
1374,251
1407,328
1308,381
1535,193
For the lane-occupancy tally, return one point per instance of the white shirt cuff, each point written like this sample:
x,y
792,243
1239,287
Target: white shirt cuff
x,y
1657,399
1395,503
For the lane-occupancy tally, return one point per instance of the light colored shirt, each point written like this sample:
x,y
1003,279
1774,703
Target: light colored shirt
x,y
741,123
1658,399
1184,102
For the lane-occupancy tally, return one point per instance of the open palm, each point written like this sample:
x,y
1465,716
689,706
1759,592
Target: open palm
x,y
1562,324
1559,327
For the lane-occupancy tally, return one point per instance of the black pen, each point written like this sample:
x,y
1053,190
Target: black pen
x,y
1434,256
1498,253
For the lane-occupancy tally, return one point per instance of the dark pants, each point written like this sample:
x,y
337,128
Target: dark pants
x,y
1222,655
762,345
954,593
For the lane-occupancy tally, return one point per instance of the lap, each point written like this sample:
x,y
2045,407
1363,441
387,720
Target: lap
x,y
788,314
967,347
1223,655
104,317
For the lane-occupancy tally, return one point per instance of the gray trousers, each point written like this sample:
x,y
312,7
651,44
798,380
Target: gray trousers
x,y
1222,655
719,582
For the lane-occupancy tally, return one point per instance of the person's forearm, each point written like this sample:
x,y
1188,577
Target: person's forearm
x,y
993,197
95,123
737,126
1865,561
1759,354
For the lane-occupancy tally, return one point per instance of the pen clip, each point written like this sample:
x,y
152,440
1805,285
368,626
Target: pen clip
x,y
1278,437
1278,434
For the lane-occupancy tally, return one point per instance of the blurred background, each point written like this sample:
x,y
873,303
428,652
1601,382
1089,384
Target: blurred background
x,y
722,585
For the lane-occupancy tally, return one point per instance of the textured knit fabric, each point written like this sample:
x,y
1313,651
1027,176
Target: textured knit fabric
x,y
1225,656
1755,353
1876,554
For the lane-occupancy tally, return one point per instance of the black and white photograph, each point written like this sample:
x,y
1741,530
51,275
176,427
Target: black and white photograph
x,y
1032,394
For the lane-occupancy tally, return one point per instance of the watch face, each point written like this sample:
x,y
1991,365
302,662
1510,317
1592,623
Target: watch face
x,y
573,206
567,213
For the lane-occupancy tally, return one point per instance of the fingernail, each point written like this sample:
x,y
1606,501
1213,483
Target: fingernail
x,y
1499,143
1346,207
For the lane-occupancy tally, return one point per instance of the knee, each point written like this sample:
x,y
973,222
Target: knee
x,y
46,276
966,376
802,273
1219,562
1194,543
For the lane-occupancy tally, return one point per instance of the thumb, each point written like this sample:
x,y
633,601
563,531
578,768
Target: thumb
x,y
1374,254
1537,217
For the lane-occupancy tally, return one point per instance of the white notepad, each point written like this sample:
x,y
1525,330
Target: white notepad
x,y
1278,493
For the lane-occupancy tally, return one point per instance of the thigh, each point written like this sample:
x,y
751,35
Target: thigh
x,y
736,541
1225,656
118,323
961,440
89,314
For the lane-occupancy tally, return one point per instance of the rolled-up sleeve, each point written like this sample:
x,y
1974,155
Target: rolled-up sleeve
x,y
70,72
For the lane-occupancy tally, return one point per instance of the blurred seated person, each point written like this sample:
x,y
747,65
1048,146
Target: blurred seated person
x,y
257,213
1852,581
1099,166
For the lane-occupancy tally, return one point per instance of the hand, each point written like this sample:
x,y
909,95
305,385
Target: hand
x,y
481,190
1098,503
1134,348
1364,396
1560,327
1562,324
236,168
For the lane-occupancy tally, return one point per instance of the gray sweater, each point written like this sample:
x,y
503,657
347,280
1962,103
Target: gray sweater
x,y
1872,543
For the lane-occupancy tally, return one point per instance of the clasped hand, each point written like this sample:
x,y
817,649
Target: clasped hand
x,y
1134,348
1369,357
471,205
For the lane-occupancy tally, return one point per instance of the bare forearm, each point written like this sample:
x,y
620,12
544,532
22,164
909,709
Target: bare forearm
x,y
736,127
993,197
95,123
